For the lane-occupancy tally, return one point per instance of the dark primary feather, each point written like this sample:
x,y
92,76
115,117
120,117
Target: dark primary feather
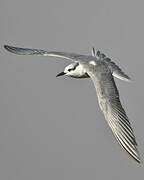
x,y
93,52
24,51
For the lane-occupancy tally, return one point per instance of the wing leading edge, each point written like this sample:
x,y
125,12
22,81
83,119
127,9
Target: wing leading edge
x,y
40,52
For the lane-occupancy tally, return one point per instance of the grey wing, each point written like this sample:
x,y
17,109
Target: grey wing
x,y
113,111
115,69
40,52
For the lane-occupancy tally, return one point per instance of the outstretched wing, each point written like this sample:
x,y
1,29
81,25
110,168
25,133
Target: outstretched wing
x,y
112,109
40,52
115,69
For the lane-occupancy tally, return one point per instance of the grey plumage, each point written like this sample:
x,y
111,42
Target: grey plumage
x,y
40,52
109,102
101,70
115,69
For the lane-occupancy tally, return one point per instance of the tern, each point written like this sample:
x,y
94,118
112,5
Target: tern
x,y
102,71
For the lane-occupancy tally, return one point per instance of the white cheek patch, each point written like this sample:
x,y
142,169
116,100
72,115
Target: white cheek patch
x,y
92,63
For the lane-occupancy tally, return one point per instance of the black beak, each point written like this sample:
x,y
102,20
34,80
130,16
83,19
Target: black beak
x,y
60,74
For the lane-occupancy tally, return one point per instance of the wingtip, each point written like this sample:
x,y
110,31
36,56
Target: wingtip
x,y
138,157
7,47
128,79
138,160
11,49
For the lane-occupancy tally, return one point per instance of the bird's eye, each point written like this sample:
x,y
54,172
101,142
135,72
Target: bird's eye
x,y
69,70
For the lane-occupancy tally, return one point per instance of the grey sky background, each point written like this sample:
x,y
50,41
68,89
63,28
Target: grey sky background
x,y
52,128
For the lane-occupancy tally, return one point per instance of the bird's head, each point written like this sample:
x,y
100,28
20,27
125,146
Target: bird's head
x,y
74,70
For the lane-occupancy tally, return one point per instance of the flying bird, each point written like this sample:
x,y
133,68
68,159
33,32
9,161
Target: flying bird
x,y
102,71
